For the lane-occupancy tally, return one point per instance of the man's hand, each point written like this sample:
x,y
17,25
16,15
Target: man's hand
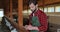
x,y
30,27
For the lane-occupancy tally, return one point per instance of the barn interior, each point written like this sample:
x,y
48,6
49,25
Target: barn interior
x,y
17,12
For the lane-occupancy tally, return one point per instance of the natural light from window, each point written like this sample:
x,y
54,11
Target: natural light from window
x,y
1,13
57,9
50,9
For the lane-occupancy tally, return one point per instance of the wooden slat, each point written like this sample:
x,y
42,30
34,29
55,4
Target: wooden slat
x,y
6,8
11,9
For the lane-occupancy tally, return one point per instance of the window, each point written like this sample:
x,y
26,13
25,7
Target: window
x,y
1,13
29,12
50,9
57,9
24,12
45,9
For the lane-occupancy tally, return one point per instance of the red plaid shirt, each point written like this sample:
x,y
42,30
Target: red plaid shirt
x,y
42,19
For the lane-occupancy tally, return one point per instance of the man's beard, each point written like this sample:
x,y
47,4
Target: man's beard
x,y
33,10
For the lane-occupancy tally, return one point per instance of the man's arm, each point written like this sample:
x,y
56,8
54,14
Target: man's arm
x,y
43,22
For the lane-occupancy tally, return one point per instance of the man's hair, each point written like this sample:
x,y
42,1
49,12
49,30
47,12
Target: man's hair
x,y
32,1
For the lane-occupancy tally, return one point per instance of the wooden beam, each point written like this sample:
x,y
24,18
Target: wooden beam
x,y
20,16
11,16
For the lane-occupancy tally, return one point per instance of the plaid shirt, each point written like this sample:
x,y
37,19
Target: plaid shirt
x,y
42,19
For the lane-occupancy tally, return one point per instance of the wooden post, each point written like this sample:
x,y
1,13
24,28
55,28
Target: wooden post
x,y
11,16
43,4
20,16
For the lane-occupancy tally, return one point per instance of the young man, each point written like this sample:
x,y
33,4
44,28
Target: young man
x,y
36,15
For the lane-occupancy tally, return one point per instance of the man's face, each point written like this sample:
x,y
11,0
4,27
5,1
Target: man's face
x,y
32,7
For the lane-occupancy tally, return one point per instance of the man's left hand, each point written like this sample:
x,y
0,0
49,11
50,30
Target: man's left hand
x,y
30,27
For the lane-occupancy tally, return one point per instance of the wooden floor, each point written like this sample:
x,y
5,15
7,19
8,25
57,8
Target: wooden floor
x,y
1,29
